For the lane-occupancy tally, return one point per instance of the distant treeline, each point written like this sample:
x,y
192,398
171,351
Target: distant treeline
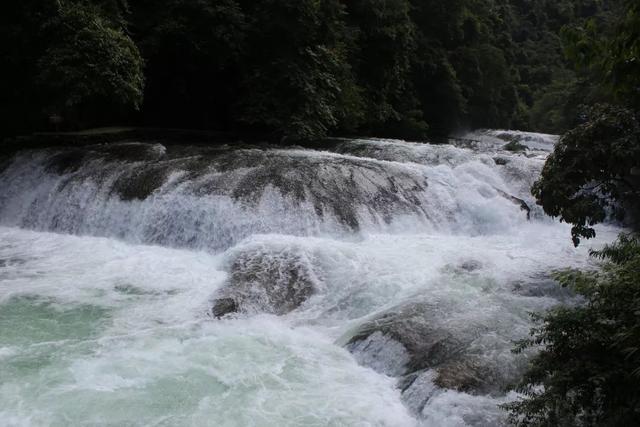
x,y
298,68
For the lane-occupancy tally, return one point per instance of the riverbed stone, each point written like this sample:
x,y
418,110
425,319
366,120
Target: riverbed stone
x,y
224,306
425,344
266,281
413,342
517,201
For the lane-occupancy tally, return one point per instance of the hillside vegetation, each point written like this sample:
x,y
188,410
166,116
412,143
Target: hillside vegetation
x,y
297,68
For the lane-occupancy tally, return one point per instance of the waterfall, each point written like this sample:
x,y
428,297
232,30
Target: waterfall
x,y
373,282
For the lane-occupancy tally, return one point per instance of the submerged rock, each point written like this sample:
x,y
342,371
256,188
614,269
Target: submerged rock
x,y
341,186
515,147
72,159
472,375
132,151
500,161
415,343
470,265
267,281
66,161
224,306
138,184
515,200
408,328
542,286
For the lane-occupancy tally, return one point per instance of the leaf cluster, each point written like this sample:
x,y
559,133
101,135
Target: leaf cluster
x,y
592,173
89,58
588,369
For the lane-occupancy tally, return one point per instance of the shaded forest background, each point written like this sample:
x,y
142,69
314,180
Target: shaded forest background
x,y
401,68
297,68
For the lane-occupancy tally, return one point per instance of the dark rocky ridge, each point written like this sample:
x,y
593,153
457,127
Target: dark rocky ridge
x,y
333,185
211,197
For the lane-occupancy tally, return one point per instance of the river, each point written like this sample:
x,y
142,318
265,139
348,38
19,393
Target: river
x,y
368,283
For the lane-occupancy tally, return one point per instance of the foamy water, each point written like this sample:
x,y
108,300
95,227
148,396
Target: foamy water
x,y
110,261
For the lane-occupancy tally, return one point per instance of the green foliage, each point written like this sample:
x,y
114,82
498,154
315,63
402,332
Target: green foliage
x,y
461,68
588,372
487,85
70,57
438,88
385,45
622,66
89,60
193,51
612,62
552,91
593,170
297,88
307,68
555,108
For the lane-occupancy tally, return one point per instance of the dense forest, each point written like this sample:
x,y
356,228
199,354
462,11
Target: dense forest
x,y
297,68
412,69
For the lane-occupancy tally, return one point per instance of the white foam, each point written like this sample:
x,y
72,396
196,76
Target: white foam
x,y
106,330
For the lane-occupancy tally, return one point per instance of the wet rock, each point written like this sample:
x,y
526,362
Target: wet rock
x,y
333,185
470,265
471,375
417,388
132,151
515,147
71,159
462,267
500,161
224,306
542,286
409,327
416,343
5,162
12,262
66,161
138,184
519,202
381,352
275,282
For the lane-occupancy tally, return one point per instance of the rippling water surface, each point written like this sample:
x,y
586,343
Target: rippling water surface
x,y
112,257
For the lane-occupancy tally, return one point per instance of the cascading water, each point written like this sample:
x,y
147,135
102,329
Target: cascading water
x,y
378,283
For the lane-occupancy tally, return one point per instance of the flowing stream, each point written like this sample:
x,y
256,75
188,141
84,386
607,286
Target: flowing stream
x,y
371,283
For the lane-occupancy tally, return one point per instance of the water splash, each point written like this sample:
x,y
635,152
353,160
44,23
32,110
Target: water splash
x,y
108,319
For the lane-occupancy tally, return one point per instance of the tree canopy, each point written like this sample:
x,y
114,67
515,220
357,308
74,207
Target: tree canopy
x,y
593,172
302,69
89,57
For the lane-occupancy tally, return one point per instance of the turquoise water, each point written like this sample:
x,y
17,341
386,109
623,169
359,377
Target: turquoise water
x,y
121,337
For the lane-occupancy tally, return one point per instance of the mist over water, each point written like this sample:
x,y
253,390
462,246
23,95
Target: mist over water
x,y
112,257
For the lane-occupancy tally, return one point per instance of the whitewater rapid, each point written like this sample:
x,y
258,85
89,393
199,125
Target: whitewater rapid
x,y
111,258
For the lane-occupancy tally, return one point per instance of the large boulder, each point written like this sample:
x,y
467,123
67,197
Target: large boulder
x,y
416,343
404,340
266,281
344,187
